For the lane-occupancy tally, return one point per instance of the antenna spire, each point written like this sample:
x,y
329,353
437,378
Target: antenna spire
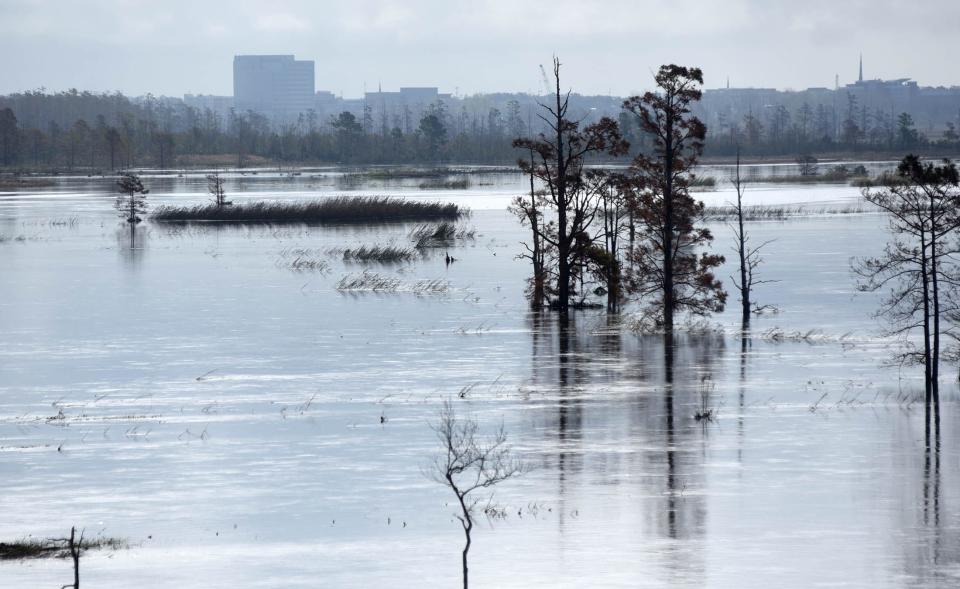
x,y
861,66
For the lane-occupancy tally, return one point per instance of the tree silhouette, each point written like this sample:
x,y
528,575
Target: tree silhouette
x,y
470,466
560,154
916,268
132,201
667,269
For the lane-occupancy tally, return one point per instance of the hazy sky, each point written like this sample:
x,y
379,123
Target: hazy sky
x,y
608,46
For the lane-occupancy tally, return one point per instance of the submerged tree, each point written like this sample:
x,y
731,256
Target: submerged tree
x,y
748,256
666,264
470,466
216,190
132,201
605,255
529,209
806,163
558,163
916,268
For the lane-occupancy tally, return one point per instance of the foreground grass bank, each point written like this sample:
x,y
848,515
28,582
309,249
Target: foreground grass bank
x,y
341,209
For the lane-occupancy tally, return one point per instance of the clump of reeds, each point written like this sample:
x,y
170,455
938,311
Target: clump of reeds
x,y
440,234
369,282
379,254
373,282
307,264
430,286
301,259
340,209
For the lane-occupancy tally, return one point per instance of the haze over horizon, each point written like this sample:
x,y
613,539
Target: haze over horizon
x,y
177,47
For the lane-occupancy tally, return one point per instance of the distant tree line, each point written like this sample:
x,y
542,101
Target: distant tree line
x,y
83,130
75,130
853,128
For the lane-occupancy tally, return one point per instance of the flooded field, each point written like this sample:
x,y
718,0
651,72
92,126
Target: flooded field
x,y
243,422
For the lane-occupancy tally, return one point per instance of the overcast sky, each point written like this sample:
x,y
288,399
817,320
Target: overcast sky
x,y
173,47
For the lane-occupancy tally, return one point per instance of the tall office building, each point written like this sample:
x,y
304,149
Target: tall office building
x,y
277,86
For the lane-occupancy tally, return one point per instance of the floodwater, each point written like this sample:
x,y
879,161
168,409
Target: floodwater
x,y
243,424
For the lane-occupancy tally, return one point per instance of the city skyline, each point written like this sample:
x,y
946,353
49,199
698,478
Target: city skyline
x,y
858,72
172,52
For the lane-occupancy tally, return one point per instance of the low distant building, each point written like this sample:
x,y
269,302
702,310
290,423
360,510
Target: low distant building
x,y
220,105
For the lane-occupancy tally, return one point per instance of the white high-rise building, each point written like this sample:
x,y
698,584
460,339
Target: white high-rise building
x,y
277,86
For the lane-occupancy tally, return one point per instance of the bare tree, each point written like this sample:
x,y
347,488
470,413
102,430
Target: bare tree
x,y
807,164
604,256
749,256
132,201
74,545
470,466
560,154
216,190
916,268
529,209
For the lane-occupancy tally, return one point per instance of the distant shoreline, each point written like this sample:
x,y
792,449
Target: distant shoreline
x,y
21,176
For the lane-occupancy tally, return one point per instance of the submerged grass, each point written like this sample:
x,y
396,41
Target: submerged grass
x,y
377,283
369,282
781,212
379,254
811,336
341,209
441,234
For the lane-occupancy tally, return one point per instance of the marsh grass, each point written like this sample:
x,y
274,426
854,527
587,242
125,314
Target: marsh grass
x,y
301,259
445,184
811,336
440,234
377,283
704,182
428,173
379,254
340,209
29,548
369,282
781,212
15,182
884,179
306,264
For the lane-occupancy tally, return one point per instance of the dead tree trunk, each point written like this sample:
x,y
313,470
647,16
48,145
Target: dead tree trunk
x,y
75,545
742,251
